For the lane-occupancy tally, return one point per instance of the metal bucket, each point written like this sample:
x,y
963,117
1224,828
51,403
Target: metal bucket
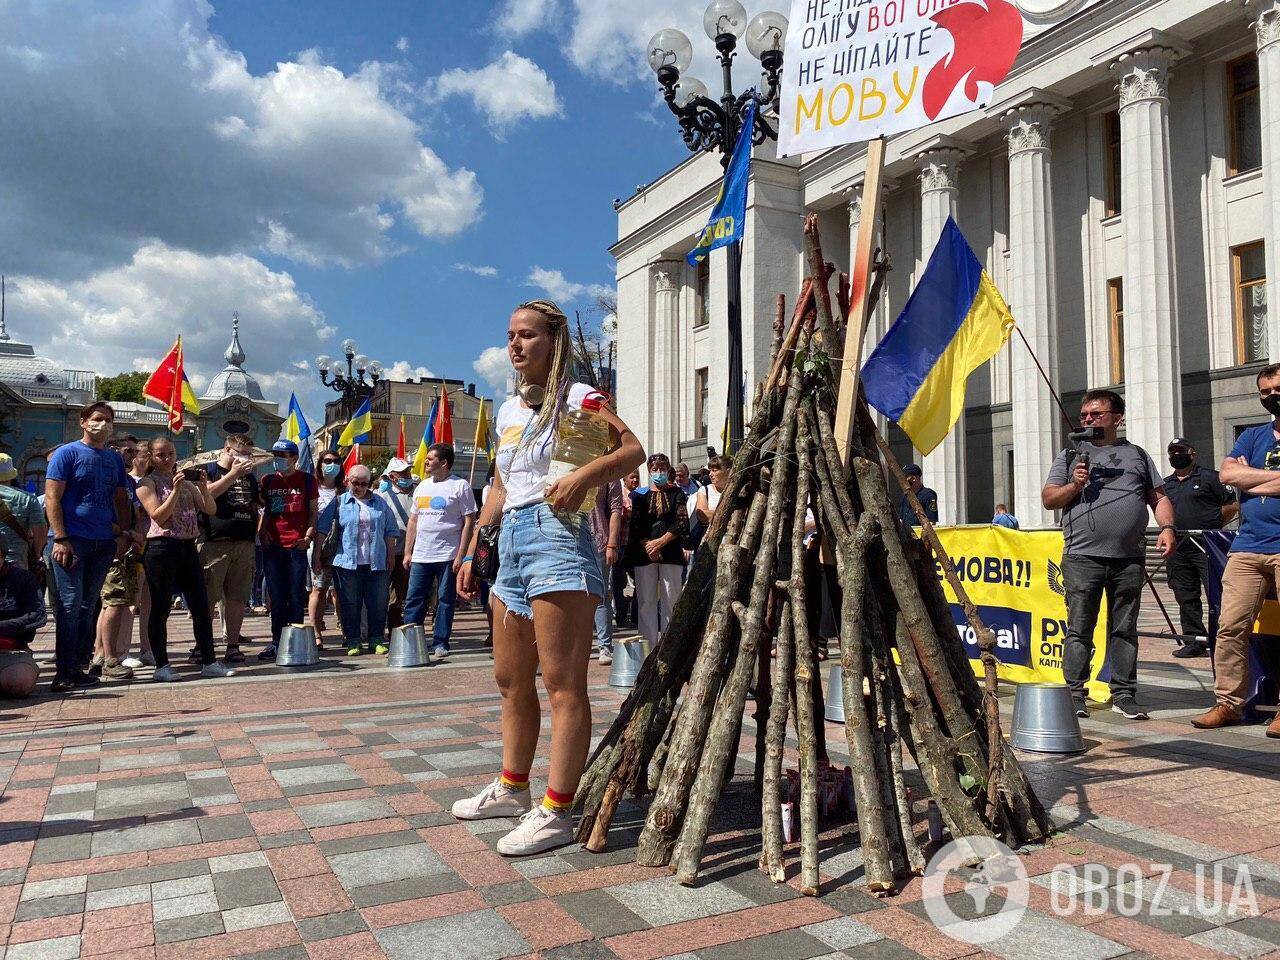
x,y
628,655
297,646
835,693
1044,719
409,647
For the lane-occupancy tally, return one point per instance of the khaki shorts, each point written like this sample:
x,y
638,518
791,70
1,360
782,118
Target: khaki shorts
x,y
228,569
120,589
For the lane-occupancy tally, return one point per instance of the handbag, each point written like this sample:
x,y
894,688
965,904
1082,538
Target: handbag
x,y
332,542
484,559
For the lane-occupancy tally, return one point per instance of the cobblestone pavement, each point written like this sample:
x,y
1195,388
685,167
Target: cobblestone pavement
x,y
282,815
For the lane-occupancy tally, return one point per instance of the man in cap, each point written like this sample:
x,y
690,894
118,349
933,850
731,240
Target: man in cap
x,y
399,497
928,498
286,529
22,526
227,538
1200,502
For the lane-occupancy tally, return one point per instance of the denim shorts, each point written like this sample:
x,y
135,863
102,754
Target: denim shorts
x,y
539,552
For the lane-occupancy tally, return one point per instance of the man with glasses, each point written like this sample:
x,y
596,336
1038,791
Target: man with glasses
x,y
1103,490
1253,566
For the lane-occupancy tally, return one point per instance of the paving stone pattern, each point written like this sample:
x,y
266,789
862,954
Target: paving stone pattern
x,y
288,815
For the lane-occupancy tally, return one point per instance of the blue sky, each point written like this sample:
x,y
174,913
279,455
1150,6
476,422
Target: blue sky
x,y
393,171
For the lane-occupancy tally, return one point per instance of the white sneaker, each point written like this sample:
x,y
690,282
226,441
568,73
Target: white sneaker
x,y
539,830
493,801
164,674
216,669
606,656
133,663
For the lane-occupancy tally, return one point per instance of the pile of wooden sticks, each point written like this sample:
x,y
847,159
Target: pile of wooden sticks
x,y
907,679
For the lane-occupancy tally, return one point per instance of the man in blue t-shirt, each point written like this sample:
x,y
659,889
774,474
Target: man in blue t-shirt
x,y
87,504
1253,566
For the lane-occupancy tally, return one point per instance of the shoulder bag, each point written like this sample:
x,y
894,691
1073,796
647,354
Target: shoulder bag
x,y
484,560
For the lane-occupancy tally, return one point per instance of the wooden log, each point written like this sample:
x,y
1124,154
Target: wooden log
x,y
786,352
827,334
772,859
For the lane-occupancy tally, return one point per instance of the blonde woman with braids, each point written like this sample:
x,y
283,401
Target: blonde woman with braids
x,y
548,583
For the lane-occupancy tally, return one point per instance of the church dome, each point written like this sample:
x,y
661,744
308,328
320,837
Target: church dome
x,y
234,380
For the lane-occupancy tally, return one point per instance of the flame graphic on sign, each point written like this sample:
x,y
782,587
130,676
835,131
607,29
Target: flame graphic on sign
x,y
986,41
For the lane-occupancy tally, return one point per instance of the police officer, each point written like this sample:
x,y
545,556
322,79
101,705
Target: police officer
x,y
927,497
1200,502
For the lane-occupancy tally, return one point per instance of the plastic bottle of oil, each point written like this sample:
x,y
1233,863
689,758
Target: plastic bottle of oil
x,y
582,436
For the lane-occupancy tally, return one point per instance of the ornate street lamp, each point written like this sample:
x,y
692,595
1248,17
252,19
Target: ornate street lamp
x,y
353,385
709,125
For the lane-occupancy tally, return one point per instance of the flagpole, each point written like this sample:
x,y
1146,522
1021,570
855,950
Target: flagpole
x,y
475,443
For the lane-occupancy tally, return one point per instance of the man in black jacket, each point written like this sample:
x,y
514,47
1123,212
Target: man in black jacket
x,y
22,610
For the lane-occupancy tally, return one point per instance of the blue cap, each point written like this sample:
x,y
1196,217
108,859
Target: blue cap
x,y
285,446
913,470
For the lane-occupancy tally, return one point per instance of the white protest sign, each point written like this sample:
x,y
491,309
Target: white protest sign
x,y
857,69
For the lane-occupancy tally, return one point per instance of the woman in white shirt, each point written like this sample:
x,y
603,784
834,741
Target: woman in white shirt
x,y
548,583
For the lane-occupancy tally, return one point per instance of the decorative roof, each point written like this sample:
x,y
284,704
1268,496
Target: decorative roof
x,y
233,380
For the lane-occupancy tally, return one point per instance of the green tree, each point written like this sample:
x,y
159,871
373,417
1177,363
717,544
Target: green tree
x,y
125,387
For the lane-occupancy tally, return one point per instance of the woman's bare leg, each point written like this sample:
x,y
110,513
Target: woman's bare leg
x,y
515,664
564,625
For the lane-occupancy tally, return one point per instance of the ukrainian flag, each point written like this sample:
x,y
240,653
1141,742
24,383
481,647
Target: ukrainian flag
x,y
298,430
359,427
189,401
954,322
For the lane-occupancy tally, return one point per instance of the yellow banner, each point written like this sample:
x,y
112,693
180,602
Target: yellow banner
x,y
1015,580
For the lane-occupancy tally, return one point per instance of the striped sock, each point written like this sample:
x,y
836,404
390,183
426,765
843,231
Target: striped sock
x,y
557,802
515,781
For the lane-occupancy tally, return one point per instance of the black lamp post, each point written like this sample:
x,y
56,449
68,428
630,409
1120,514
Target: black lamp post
x,y
353,385
709,125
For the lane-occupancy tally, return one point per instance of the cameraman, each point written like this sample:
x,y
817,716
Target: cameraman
x,y
1104,500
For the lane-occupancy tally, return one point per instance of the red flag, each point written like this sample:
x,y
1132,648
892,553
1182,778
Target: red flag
x,y
444,422
400,442
165,386
353,458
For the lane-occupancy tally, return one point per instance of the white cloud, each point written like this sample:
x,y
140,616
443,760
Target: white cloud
x,y
510,88
124,318
493,366
139,124
520,17
480,270
402,370
402,44
558,288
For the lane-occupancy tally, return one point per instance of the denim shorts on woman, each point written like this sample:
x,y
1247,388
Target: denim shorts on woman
x,y
539,552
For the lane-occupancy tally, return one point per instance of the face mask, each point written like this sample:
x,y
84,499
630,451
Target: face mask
x,y
1179,461
99,429
281,463
331,470
404,484
1272,405
659,479
384,484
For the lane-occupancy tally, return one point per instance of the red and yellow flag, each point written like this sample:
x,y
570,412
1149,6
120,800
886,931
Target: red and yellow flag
x,y
444,419
165,386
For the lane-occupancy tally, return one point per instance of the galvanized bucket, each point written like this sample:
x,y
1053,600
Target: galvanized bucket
x,y
835,693
1044,719
409,647
628,655
297,646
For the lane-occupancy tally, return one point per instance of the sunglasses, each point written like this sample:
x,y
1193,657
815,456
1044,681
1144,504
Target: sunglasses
x,y
357,483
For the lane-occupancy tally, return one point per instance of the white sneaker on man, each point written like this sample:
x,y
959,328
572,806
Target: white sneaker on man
x,y
495,800
606,656
538,830
164,674
216,669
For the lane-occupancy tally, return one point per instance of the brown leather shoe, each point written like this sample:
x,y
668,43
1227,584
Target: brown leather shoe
x,y
1220,716
1273,728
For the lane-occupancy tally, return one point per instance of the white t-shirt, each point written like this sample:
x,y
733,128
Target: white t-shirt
x,y
364,533
441,507
524,468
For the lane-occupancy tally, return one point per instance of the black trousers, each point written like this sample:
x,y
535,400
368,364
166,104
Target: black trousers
x,y
172,565
1188,570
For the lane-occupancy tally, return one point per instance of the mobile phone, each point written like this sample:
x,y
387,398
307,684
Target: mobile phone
x,y
194,474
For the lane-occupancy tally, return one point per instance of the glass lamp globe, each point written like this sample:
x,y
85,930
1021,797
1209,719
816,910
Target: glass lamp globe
x,y
690,87
362,363
725,16
670,48
376,369
349,347
323,363
766,32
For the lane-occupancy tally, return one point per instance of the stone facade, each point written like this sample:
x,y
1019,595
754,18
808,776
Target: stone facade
x,y
1116,190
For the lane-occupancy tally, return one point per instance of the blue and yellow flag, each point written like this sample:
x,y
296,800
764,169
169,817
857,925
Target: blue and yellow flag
x,y
359,427
189,401
729,216
954,322
298,430
428,438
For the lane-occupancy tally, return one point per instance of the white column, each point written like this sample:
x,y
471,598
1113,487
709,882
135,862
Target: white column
x,y
1153,389
1033,301
664,399
1267,27
944,468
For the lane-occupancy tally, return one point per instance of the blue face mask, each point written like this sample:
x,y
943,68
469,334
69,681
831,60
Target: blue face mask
x,y
282,463
384,484
331,470
405,483
659,479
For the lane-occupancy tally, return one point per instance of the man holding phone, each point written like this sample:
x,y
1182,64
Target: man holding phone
x,y
227,537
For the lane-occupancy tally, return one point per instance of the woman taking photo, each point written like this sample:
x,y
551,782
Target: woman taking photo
x,y
170,561
367,532
548,582
655,547
329,483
